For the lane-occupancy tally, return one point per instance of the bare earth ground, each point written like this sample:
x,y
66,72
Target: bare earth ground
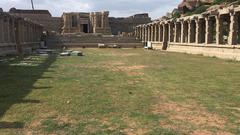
x,y
122,92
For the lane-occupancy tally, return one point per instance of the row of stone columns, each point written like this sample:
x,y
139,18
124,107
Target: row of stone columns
x,y
201,29
12,28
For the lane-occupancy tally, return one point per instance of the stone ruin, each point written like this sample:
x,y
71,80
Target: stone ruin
x,y
212,33
94,22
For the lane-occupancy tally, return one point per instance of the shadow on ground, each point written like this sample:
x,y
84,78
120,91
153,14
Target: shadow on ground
x,y
17,77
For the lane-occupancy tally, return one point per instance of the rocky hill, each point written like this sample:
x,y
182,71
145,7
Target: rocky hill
x,y
189,7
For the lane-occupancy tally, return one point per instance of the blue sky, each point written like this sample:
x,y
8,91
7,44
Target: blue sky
x,y
117,8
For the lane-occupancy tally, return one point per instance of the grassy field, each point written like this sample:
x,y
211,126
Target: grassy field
x,y
120,92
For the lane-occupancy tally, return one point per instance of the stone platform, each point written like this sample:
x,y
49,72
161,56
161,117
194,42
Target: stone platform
x,y
92,41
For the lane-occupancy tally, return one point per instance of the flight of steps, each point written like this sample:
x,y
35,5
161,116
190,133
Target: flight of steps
x,y
92,41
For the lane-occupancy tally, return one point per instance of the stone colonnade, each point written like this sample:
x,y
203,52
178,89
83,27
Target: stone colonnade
x,y
15,31
220,27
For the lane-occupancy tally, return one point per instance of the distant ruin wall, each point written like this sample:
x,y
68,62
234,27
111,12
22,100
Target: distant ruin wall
x,y
43,17
127,25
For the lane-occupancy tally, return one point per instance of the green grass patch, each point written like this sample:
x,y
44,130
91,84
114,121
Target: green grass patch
x,y
119,91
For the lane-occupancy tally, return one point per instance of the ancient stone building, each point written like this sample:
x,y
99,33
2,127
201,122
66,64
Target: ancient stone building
x,y
43,17
212,33
79,22
128,24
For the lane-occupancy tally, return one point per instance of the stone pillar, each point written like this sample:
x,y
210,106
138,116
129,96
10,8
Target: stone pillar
x,y
219,30
182,31
142,33
22,31
197,34
28,32
13,30
18,37
103,20
165,33
189,31
65,21
152,32
155,32
1,30
165,36
69,24
160,33
145,33
7,32
233,32
136,32
171,32
149,33
175,32
208,31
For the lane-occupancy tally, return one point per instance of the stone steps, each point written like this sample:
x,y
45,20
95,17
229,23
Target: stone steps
x,y
92,41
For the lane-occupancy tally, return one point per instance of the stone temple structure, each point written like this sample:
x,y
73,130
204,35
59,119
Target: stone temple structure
x,y
212,33
94,22
80,22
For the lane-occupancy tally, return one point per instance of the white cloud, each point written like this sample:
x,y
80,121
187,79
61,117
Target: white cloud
x,y
155,8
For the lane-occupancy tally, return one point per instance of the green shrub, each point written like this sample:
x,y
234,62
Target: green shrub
x,y
222,1
176,15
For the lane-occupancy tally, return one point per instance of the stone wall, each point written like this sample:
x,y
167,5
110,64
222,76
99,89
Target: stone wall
x,y
127,25
43,17
92,41
17,33
213,33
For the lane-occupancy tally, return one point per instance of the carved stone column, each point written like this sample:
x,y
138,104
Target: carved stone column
x,y
152,32
149,33
171,32
165,36
182,31
155,32
175,32
234,26
13,31
160,32
145,33
139,32
142,33
22,31
135,32
219,30
165,33
1,30
197,34
7,30
208,31
189,31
